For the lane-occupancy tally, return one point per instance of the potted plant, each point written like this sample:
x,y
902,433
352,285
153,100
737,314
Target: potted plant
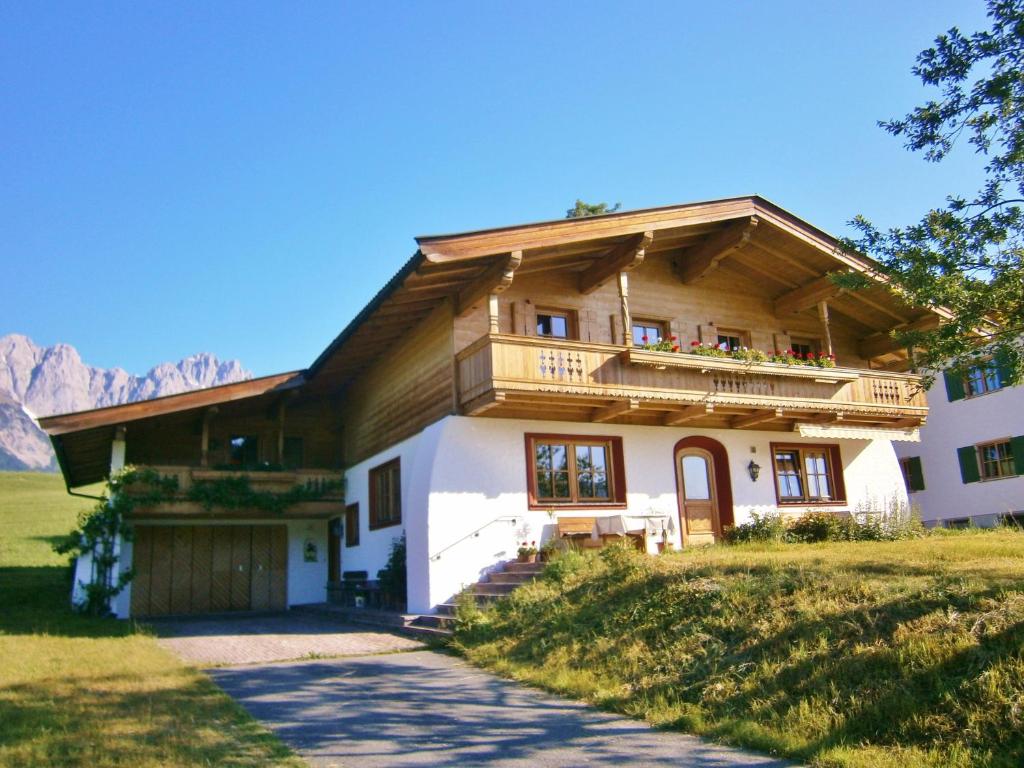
x,y
547,551
528,552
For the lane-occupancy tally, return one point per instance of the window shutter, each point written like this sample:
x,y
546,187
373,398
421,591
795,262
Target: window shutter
x,y
708,334
954,386
916,472
585,321
838,479
968,456
782,343
1017,446
1003,369
616,325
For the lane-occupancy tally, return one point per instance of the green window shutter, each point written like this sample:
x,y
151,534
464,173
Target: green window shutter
x,y
1017,446
916,473
954,385
968,456
1003,369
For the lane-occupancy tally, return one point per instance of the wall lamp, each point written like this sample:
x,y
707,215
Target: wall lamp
x,y
754,469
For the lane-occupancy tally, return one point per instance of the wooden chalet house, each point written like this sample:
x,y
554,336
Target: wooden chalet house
x,y
504,380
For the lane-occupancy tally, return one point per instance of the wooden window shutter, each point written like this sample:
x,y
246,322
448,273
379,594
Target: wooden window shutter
x,y
618,337
585,321
954,386
1003,368
708,334
675,328
968,456
916,473
1017,446
838,478
524,318
782,342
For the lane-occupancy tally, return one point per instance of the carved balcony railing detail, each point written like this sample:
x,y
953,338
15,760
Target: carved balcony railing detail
x,y
500,368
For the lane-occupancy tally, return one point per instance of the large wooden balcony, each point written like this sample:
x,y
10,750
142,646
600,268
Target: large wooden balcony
x,y
325,495
526,377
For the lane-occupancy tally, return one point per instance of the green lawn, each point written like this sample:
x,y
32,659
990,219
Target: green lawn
x,y
853,654
78,691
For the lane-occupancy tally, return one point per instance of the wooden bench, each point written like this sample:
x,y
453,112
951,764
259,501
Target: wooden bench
x,y
579,531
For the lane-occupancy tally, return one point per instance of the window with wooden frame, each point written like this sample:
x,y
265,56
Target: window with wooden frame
x,y
557,323
386,495
352,525
992,460
804,346
575,471
808,474
732,338
988,376
913,474
648,331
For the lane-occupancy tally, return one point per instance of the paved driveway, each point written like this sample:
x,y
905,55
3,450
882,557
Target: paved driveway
x,y
278,637
428,709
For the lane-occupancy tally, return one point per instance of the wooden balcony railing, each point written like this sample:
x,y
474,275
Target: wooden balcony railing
x,y
502,370
325,484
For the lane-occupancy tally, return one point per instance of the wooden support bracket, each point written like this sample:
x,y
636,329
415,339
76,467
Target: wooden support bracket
x,y
704,258
615,410
807,296
496,279
691,412
621,258
757,417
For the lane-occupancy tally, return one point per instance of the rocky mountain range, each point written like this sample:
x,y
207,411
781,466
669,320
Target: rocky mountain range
x,y
41,381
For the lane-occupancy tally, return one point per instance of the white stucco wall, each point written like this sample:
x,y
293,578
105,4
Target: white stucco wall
x,y
307,581
464,482
955,424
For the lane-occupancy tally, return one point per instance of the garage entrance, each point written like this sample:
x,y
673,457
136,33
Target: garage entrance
x,y
183,569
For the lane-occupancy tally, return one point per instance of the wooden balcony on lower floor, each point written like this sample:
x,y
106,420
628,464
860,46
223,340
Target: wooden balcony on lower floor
x,y
527,377
322,495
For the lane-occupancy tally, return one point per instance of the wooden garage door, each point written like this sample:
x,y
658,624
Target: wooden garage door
x,y
183,569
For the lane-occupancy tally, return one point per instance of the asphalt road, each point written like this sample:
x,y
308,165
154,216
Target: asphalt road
x,y
427,709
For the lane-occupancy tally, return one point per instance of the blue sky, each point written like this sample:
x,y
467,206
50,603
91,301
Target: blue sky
x,y
240,178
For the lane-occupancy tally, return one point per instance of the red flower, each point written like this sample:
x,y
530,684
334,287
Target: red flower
x,y
810,355
643,338
673,337
831,357
675,347
694,343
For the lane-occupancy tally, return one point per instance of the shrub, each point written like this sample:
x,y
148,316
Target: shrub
x,y
771,526
392,577
823,526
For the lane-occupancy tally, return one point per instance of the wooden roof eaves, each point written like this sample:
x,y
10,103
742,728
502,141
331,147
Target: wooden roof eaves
x,y
65,423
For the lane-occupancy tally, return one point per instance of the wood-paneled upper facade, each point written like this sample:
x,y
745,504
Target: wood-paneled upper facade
x,y
460,329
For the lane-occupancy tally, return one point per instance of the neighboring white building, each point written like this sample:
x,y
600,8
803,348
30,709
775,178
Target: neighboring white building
x,y
968,468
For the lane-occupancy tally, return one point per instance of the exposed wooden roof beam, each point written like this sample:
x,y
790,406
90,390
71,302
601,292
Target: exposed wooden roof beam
x,y
691,412
757,417
495,280
884,343
783,256
807,296
622,258
703,258
615,410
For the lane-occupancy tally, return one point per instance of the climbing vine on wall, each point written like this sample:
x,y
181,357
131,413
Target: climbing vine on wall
x,y
101,529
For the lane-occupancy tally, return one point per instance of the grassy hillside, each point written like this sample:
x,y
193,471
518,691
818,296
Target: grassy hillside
x,y
77,691
853,654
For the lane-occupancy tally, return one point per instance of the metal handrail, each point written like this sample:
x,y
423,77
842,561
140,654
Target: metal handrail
x,y
473,534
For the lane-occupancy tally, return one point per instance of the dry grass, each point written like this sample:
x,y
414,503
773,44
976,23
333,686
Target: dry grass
x,y
77,691
856,654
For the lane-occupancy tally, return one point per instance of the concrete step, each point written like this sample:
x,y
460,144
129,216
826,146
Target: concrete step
x,y
512,577
517,567
447,609
435,621
493,588
435,633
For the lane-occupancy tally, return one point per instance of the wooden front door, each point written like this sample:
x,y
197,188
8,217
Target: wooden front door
x,y
189,569
698,499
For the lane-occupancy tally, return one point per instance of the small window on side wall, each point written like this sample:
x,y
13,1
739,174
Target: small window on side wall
x,y
556,323
913,473
385,495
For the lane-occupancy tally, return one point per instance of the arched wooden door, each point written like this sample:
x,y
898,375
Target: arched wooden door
x,y
704,490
